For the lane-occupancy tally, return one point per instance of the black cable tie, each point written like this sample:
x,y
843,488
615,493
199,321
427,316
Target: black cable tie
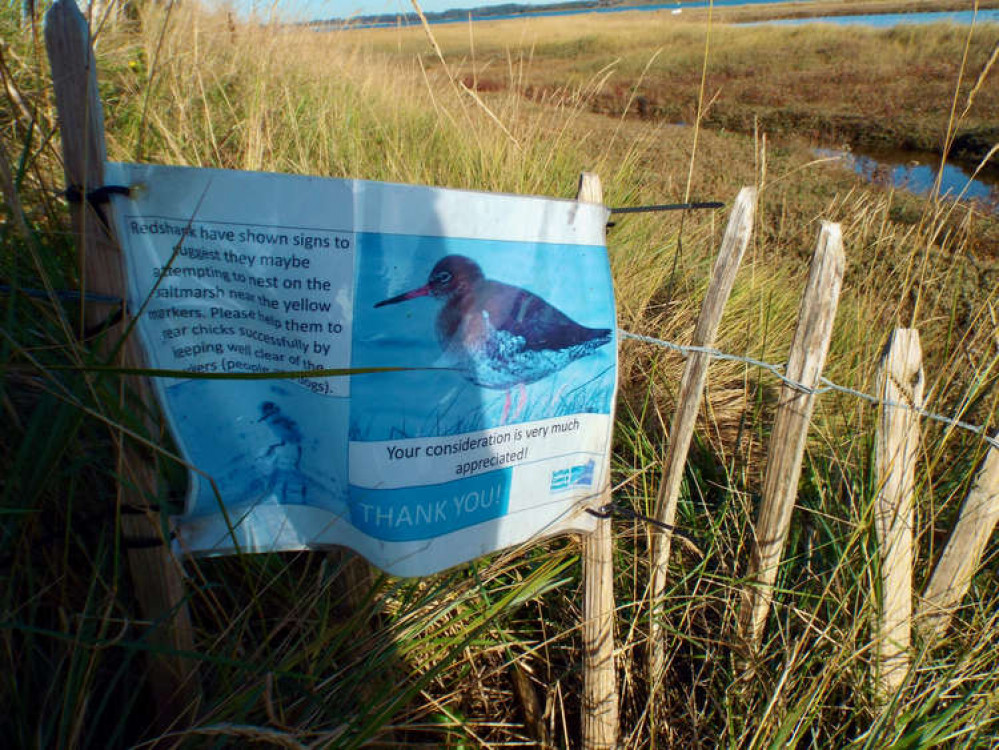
x,y
667,207
612,509
604,511
72,194
96,197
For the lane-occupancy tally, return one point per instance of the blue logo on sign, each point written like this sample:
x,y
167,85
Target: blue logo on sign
x,y
574,476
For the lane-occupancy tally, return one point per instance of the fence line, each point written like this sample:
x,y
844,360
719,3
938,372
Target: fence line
x,y
826,387
682,349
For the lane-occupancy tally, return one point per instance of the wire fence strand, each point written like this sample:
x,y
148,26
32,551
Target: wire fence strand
x,y
684,350
826,387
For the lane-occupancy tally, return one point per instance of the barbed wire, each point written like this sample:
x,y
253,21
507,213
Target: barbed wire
x,y
826,387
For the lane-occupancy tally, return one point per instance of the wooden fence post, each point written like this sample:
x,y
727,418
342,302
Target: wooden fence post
x,y
900,381
155,571
695,372
600,706
787,442
960,559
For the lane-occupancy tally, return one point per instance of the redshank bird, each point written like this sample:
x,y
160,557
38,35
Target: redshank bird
x,y
498,335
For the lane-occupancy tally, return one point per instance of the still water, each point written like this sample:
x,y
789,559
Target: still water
x,y
885,20
539,12
881,20
917,172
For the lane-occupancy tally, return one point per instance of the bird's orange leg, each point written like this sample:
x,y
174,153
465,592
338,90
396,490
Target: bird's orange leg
x,y
521,399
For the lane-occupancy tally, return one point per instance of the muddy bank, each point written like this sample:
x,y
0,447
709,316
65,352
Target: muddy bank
x,y
970,145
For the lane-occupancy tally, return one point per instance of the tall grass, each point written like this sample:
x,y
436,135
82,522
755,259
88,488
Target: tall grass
x,y
290,655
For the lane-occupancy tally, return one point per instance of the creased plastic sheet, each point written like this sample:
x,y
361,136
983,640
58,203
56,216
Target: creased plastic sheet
x,y
485,324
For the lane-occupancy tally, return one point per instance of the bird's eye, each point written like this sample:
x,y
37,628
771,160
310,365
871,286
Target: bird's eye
x,y
442,277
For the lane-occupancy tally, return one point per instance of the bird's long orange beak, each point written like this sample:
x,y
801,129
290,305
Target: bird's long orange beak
x,y
423,291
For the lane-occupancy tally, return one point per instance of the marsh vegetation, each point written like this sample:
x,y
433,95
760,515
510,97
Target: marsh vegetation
x,y
663,110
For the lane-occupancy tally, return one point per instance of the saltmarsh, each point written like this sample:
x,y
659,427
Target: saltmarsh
x,y
524,107
838,85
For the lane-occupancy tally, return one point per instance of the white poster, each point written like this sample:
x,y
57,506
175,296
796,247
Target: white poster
x,y
479,328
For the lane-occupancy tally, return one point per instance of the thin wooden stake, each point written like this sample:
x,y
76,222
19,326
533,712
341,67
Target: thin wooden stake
x,y
900,381
963,553
600,705
695,373
155,572
787,442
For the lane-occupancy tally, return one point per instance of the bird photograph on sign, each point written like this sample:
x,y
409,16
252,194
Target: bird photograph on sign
x,y
504,337
499,352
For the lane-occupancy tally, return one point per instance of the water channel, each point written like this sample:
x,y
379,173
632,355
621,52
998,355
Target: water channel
x,y
917,172
880,20
888,20
907,170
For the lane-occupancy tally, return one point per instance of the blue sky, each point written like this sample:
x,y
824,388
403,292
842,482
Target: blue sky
x,y
311,9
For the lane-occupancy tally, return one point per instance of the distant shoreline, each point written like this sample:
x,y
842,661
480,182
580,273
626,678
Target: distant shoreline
x,y
724,10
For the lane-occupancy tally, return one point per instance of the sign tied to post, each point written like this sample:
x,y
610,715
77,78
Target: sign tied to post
x,y
480,329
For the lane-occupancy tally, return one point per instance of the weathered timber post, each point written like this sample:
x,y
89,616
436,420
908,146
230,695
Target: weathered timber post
x,y
155,571
695,373
787,442
961,557
600,705
900,382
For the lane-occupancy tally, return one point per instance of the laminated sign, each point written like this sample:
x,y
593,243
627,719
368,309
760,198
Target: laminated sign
x,y
478,330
